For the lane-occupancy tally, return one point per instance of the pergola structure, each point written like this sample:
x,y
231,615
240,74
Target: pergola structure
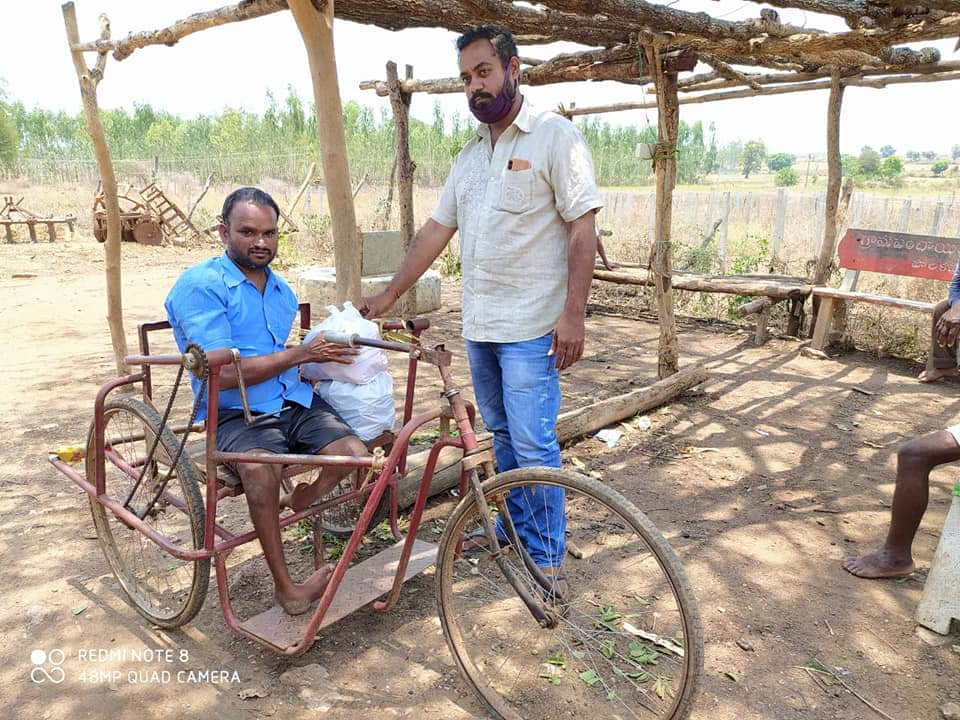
x,y
635,42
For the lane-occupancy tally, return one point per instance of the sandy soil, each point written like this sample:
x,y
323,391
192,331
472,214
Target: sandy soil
x,y
763,481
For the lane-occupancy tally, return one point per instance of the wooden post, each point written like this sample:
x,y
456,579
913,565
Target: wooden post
x,y
665,166
203,192
778,229
903,224
724,232
834,177
88,79
316,28
400,103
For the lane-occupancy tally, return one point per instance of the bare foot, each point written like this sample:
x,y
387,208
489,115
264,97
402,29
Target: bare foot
x,y
879,564
302,596
931,375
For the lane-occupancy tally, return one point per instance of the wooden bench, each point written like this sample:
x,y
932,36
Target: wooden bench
x,y
916,256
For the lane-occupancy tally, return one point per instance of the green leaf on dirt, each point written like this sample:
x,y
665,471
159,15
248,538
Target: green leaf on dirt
x,y
590,677
638,675
732,675
550,673
608,616
607,648
611,695
578,654
382,531
660,686
557,659
79,609
642,653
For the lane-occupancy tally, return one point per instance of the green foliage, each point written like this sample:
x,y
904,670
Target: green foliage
x,y
9,136
888,151
780,161
869,161
955,152
940,167
786,177
913,156
891,167
752,157
929,155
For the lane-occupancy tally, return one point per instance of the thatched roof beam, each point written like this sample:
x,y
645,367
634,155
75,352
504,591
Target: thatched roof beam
x,y
620,62
857,81
872,13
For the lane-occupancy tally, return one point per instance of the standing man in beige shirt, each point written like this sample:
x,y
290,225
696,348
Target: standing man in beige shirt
x,y
523,197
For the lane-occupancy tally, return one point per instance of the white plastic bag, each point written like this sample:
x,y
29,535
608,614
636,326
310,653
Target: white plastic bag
x,y
369,363
368,408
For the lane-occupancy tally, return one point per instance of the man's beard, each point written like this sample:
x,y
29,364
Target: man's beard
x,y
249,263
495,108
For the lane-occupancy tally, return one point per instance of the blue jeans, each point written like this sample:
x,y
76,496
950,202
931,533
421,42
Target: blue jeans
x,y
517,386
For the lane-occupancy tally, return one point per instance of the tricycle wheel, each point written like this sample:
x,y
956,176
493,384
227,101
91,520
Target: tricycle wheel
x,y
164,589
622,635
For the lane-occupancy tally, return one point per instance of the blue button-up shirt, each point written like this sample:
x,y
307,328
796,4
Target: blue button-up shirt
x,y
954,293
214,305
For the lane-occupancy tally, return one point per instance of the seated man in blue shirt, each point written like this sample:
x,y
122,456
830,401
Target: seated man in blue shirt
x,y
942,358
236,301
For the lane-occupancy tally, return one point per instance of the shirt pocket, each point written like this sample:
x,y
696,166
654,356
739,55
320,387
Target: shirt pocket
x,y
516,191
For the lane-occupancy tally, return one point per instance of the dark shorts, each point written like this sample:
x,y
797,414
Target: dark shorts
x,y
295,429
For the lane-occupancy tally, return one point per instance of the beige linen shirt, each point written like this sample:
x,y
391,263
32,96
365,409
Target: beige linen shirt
x,y
512,205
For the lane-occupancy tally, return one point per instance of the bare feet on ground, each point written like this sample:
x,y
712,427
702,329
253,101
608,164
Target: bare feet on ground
x,y
930,375
302,596
879,564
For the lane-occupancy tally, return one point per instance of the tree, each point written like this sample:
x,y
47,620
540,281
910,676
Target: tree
x,y
786,177
850,165
891,167
779,161
940,167
9,135
869,161
913,156
955,153
929,155
888,151
711,161
754,153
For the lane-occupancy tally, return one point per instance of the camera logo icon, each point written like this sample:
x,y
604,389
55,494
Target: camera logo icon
x,y
47,666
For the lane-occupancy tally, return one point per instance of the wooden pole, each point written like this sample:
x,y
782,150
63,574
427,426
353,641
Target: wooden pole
x,y
308,178
665,165
316,28
88,79
834,177
400,103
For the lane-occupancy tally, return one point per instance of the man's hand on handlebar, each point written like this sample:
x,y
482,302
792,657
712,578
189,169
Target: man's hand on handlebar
x,y
377,305
319,350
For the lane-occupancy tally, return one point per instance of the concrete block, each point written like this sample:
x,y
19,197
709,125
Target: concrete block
x,y
318,286
382,254
940,602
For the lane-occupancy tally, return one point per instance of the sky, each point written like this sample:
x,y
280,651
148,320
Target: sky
x,y
236,64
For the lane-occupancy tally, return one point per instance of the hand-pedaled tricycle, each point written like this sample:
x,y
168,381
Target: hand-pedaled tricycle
x,y
623,639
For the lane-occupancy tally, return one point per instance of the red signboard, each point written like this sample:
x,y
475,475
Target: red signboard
x,y
920,256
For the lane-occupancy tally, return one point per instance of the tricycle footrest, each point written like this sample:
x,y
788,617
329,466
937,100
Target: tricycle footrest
x,y
362,584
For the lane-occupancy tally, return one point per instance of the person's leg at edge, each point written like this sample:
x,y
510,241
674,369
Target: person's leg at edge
x,y
941,361
531,397
915,460
261,485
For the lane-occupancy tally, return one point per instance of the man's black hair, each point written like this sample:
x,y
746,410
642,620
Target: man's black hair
x,y
501,40
249,195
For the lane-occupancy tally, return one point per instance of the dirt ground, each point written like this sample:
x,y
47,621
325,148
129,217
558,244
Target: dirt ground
x,y
762,481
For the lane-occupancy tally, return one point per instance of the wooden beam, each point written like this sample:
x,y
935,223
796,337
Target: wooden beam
x,y
570,425
875,83
665,166
400,104
316,28
88,80
758,286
